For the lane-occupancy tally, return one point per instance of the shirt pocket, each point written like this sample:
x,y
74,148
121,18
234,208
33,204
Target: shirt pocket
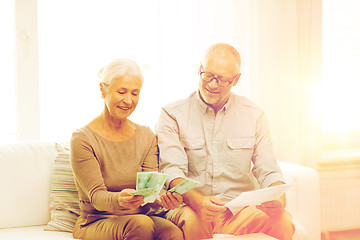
x,y
196,155
240,153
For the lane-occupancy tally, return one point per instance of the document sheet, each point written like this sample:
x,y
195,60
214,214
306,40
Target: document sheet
x,y
256,197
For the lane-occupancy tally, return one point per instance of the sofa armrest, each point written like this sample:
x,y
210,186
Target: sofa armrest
x,y
303,199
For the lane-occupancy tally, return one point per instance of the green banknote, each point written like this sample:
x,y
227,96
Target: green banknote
x,y
184,186
146,192
149,185
156,180
142,178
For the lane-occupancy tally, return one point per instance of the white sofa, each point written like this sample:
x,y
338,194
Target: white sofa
x,y
26,170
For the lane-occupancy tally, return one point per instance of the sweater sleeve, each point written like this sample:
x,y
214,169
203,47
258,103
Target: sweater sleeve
x,y
151,160
88,175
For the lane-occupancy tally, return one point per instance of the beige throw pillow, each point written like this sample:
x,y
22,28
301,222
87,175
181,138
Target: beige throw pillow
x,y
64,199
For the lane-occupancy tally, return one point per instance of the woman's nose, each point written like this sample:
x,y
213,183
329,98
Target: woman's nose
x,y
127,99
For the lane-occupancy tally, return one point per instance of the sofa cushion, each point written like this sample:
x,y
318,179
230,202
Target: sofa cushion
x,y
64,200
25,182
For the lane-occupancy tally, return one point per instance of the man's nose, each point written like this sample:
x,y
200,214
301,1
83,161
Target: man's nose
x,y
213,83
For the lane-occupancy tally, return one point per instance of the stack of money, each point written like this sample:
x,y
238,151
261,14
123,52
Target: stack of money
x,y
149,185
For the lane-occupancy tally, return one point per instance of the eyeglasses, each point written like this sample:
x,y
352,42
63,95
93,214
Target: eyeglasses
x,y
220,80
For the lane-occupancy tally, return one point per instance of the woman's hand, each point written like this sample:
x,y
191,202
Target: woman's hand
x,y
171,200
126,200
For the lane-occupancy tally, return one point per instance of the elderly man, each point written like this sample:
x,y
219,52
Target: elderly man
x,y
222,141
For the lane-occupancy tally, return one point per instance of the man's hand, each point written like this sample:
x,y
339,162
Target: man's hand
x,y
126,200
274,208
171,200
209,208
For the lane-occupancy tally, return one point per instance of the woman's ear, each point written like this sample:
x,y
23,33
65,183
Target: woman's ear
x,y
102,89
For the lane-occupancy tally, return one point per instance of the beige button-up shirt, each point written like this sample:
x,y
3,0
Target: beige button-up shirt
x,y
226,153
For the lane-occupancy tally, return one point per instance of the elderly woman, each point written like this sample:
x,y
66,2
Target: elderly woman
x,y
106,154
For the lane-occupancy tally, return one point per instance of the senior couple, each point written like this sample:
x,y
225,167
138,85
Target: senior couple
x,y
214,137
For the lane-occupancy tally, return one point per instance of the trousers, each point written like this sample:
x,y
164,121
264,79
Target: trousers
x,y
249,220
129,227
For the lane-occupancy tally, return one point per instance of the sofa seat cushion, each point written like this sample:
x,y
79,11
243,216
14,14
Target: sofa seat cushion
x,y
32,233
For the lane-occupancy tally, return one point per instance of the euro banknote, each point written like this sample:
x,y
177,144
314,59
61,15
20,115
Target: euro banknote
x,y
149,185
184,186
146,192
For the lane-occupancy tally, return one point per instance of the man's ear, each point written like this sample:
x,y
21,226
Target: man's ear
x,y
236,80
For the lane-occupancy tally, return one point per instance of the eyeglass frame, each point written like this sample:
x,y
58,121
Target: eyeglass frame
x,y
216,78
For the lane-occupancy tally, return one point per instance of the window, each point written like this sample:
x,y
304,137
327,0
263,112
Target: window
x,y
57,57
341,83
341,77
156,34
7,89
72,49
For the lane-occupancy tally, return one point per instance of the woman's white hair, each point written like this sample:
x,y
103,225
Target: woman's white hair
x,y
119,68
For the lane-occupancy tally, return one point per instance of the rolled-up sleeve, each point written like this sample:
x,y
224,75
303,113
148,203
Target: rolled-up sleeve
x,y
265,169
172,158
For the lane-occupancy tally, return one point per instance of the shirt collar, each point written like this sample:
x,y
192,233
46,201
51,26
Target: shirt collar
x,y
204,107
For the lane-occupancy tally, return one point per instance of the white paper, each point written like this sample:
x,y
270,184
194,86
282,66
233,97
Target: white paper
x,y
257,197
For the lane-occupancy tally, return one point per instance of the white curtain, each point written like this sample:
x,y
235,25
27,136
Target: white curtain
x,y
7,90
285,70
167,38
